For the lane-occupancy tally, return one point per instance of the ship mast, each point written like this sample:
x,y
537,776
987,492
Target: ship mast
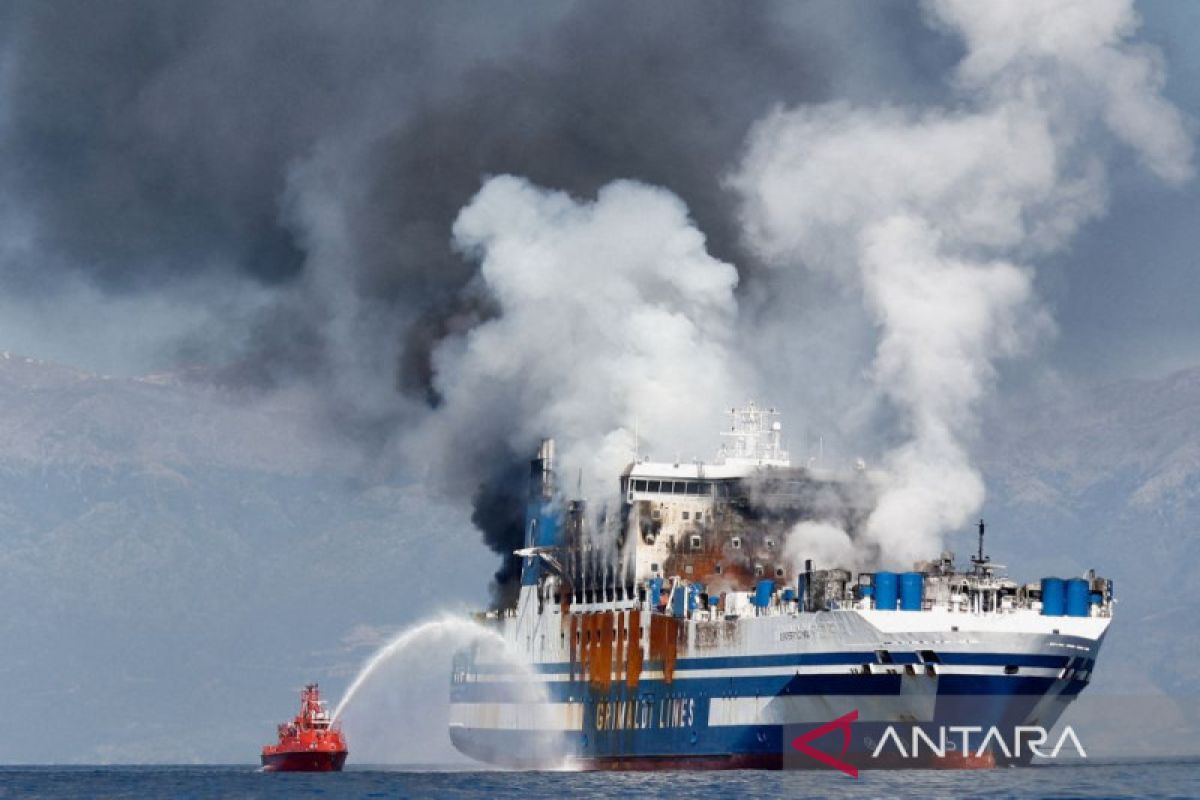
x,y
980,561
757,437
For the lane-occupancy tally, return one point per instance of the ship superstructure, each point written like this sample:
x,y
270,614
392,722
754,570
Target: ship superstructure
x,y
682,630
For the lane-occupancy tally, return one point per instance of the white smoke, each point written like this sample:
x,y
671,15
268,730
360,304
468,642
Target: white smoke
x,y
934,215
825,543
610,314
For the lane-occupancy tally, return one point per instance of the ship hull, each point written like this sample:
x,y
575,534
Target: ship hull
x,y
680,726
304,761
740,703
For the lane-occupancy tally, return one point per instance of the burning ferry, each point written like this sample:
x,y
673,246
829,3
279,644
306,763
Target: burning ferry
x,y
683,635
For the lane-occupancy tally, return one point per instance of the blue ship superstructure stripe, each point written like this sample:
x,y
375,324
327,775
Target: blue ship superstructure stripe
x,y
898,657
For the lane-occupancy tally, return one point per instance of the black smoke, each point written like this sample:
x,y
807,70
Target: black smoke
x,y
156,143
498,511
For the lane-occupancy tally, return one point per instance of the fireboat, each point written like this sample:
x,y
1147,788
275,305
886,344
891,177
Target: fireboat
x,y
309,743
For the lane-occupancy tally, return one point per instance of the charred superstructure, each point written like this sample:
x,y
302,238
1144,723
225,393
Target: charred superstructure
x,y
724,525
680,628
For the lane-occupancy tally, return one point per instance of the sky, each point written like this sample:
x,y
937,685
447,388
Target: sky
x,y
1121,299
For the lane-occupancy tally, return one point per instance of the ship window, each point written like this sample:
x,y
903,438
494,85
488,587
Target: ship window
x,y
654,567
693,488
736,542
770,543
929,657
639,486
696,543
779,572
717,568
651,486
685,515
758,570
1011,669
680,487
655,514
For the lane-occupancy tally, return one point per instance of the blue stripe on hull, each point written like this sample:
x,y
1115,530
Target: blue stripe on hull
x,y
761,686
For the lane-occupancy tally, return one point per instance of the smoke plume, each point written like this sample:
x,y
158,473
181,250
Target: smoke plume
x,y
304,181
934,217
607,314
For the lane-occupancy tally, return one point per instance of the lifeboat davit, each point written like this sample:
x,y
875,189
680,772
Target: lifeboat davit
x,y
309,743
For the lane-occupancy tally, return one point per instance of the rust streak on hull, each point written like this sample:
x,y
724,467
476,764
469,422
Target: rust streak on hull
x,y
634,669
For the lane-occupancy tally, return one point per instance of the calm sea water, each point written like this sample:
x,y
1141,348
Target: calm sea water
x,y
1147,779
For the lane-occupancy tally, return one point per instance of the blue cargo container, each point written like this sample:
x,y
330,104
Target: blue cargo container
x,y
885,591
762,595
912,591
1077,597
1054,597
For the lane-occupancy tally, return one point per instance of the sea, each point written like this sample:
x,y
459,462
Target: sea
x,y
1173,779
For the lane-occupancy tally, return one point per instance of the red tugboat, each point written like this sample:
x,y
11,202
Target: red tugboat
x,y
310,742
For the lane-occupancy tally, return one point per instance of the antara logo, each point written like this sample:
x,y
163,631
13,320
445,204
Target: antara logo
x,y
1025,738
1033,737
842,723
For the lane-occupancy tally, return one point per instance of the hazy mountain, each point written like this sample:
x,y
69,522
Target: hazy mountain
x,y
1110,479
175,561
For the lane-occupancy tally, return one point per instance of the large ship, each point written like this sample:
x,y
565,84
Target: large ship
x,y
684,630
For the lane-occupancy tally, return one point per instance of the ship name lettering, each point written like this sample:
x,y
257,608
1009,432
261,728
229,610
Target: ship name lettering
x,y
618,715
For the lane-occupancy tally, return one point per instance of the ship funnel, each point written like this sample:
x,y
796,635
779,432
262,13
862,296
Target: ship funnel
x,y
542,522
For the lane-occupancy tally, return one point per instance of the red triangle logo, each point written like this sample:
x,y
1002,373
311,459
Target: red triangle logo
x,y
842,723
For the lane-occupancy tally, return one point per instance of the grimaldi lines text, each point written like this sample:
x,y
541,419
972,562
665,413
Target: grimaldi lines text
x,y
693,640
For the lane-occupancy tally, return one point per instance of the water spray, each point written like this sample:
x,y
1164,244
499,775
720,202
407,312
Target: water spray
x,y
446,626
